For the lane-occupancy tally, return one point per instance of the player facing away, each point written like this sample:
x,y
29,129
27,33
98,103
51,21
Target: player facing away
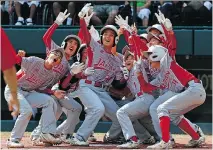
x,y
136,109
185,93
72,109
92,93
34,73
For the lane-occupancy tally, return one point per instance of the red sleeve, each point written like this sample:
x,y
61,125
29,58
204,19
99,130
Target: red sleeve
x,y
8,54
144,86
171,42
47,38
66,81
18,59
126,35
85,31
81,36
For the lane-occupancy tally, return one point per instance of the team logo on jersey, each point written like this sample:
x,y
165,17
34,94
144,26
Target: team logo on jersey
x,y
105,65
171,82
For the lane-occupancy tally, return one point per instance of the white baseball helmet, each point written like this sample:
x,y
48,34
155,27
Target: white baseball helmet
x,y
155,26
72,36
151,35
156,52
144,36
113,28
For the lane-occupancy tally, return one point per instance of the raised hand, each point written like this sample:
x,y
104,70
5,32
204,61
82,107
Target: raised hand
x,y
125,72
61,17
85,10
21,53
165,21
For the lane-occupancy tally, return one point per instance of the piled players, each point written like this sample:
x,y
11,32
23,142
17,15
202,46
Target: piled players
x,y
149,66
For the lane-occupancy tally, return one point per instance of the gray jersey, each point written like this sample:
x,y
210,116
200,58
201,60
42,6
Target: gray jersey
x,y
166,78
62,69
33,75
151,72
133,82
107,66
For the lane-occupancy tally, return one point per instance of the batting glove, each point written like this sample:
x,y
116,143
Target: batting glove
x,y
123,23
61,17
94,33
125,72
89,71
76,68
85,10
165,21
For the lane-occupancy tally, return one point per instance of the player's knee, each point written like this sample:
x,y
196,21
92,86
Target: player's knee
x,y
162,111
99,110
120,113
152,110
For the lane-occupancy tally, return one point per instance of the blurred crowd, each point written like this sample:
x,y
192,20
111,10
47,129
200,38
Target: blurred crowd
x,y
186,13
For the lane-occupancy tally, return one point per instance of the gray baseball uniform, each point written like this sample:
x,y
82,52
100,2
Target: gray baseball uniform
x,y
143,127
69,106
31,77
137,108
175,103
96,99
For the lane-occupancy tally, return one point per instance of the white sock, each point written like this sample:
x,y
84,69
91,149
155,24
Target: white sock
x,y
69,21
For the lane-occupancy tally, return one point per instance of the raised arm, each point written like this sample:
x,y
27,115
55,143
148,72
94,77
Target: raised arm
x,y
170,42
47,38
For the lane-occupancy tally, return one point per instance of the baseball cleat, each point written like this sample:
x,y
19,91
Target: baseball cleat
x,y
149,141
50,138
66,138
130,144
92,138
119,140
37,142
197,143
78,142
161,145
14,144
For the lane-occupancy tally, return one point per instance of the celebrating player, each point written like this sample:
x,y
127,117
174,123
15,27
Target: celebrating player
x,y
72,109
93,95
186,93
34,74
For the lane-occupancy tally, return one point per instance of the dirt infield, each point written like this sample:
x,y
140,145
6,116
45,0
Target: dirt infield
x,y
180,141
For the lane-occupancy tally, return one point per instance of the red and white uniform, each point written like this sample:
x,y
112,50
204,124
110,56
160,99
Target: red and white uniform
x,y
63,68
185,93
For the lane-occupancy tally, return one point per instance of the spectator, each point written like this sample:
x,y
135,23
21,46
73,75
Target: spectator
x,y
103,9
73,9
6,10
18,7
144,11
194,10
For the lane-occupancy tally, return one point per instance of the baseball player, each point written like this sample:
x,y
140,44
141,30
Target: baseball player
x,y
35,73
72,109
186,93
135,109
7,65
155,37
93,95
